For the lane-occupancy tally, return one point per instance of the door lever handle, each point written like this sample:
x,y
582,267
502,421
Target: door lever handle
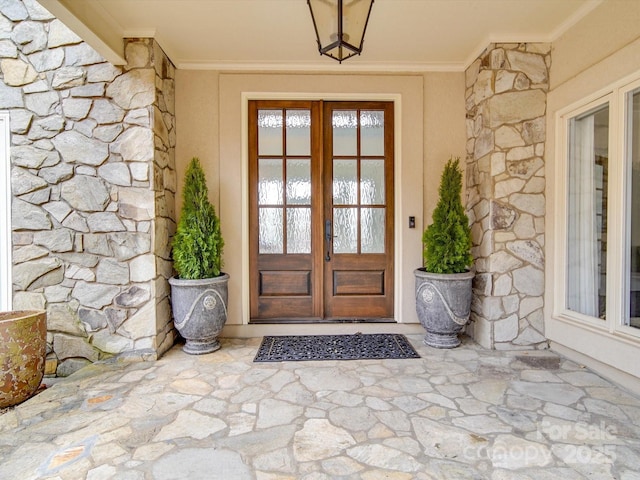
x,y
327,237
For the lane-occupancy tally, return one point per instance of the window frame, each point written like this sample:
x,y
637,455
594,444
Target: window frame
x,y
618,210
6,286
626,101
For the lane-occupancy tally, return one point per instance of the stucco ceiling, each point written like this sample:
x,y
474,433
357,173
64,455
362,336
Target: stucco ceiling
x,y
403,35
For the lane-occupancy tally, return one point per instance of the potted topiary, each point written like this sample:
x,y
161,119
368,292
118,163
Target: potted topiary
x,y
444,284
199,291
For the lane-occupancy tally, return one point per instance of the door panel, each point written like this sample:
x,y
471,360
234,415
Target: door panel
x,y
358,282
278,283
284,150
321,210
358,192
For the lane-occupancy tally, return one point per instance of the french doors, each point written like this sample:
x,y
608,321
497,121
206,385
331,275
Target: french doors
x,y
321,210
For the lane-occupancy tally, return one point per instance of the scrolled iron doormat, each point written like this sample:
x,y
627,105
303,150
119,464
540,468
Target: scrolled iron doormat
x,y
334,347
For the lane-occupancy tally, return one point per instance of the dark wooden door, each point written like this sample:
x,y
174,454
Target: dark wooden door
x,y
358,210
321,210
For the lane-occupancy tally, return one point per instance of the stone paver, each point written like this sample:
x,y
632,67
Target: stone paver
x,y
467,413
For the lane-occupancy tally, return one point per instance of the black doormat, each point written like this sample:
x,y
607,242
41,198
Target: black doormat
x,y
334,347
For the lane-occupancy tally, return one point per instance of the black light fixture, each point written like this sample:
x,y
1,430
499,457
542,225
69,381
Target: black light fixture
x,y
340,26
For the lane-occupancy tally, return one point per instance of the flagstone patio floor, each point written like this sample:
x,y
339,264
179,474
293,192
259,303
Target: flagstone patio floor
x,y
467,413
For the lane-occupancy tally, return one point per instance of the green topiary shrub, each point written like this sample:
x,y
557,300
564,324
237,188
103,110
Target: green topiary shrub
x,y
447,241
197,244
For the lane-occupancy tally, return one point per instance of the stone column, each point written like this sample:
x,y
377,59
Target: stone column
x,y
151,139
164,127
93,186
506,105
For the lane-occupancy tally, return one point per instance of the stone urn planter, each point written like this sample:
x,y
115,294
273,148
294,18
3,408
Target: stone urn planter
x,y
443,305
444,284
199,290
200,311
23,347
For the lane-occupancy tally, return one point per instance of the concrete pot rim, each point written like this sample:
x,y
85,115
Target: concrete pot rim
x,y
200,281
422,273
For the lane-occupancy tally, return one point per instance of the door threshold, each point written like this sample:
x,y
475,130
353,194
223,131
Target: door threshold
x,y
285,321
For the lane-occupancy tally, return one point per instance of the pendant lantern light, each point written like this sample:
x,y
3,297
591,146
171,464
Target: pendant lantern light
x,y
340,26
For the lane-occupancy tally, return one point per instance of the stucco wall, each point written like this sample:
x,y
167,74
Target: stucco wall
x,y
444,132
600,34
430,127
601,49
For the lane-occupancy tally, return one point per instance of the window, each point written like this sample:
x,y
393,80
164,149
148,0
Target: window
x,y
600,227
5,215
632,117
587,216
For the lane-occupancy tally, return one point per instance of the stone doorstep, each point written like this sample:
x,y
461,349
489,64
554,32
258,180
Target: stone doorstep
x,y
540,359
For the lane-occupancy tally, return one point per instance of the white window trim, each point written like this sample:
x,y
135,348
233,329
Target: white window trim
x,y
562,176
623,212
618,278
5,216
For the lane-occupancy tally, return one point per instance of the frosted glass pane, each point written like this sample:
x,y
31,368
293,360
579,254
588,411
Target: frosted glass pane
x,y
345,182
372,230
298,132
271,230
299,182
345,132
298,230
269,182
372,182
269,132
372,133
345,230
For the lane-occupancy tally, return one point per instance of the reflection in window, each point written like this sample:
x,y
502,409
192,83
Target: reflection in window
x,y
633,266
587,213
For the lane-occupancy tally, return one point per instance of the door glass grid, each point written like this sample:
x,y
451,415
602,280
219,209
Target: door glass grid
x,y
358,181
284,183
292,153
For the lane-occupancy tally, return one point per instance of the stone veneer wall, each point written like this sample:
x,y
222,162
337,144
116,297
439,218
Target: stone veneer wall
x,y
506,105
93,185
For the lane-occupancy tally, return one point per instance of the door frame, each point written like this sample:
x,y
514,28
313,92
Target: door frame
x,y
396,99
5,216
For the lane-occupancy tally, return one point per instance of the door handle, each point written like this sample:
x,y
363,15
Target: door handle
x,y
327,237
